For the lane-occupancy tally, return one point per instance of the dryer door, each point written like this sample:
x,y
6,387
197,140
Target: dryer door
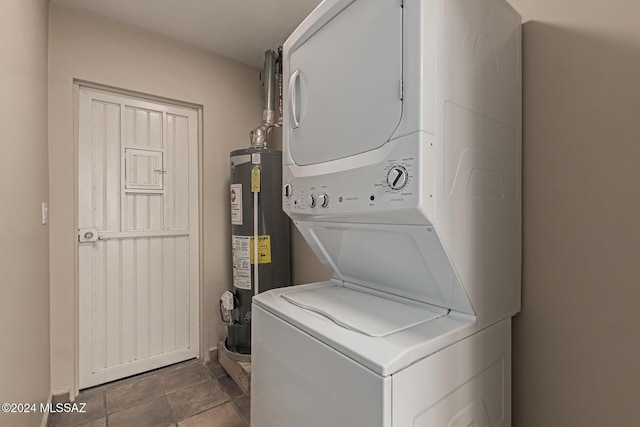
x,y
344,83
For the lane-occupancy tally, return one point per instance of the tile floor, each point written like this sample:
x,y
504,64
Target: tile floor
x,y
188,394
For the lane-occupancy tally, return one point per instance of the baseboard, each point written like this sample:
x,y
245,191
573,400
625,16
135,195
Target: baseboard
x,y
213,354
57,396
63,395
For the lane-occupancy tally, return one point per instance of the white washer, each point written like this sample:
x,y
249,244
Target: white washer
x,y
384,363
401,159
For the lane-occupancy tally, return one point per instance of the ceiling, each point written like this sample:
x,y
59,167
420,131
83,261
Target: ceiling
x,y
238,29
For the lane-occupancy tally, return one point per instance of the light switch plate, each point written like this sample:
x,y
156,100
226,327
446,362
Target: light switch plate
x,y
45,213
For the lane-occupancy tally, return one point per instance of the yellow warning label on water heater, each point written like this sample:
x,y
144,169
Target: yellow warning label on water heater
x,y
264,250
255,179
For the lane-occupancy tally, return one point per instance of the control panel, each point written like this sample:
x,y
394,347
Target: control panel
x,y
380,182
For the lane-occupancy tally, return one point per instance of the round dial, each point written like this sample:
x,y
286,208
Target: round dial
x,y
397,177
312,201
323,200
287,190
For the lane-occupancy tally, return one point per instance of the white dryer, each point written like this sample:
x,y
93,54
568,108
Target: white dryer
x,y
402,154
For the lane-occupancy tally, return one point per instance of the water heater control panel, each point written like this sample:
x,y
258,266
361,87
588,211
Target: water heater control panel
x,y
365,188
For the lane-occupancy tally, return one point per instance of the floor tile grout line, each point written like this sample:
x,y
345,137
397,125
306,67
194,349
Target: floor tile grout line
x,y
166,396
106,409
226,400
182,388
239,412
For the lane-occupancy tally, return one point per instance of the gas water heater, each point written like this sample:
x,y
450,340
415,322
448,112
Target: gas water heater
x,y
256,216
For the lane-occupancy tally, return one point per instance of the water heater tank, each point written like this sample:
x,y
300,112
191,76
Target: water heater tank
x,y
256,170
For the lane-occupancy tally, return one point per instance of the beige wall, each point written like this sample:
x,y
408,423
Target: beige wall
x,y
24,258
88,47
305,267
576,341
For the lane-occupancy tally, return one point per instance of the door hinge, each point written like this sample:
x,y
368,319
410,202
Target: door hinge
x,y
401,89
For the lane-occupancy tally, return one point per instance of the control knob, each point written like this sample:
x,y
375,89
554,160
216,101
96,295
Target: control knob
x,y
323,200
312,201
287,190
397,177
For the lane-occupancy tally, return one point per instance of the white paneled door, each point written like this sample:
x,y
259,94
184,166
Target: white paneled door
x,y
138,235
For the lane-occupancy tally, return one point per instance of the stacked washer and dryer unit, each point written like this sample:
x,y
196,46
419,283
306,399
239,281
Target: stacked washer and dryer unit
x,y
402,170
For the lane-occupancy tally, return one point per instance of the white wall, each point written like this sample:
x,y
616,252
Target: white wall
x,y
88,47
24,258
576,353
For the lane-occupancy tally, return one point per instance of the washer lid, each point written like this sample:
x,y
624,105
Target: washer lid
x,y
361,312
408,261
413,331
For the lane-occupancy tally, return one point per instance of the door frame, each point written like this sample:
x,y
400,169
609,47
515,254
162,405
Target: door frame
x,y
77,85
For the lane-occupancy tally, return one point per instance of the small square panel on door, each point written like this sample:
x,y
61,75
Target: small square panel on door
x,y
144,170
